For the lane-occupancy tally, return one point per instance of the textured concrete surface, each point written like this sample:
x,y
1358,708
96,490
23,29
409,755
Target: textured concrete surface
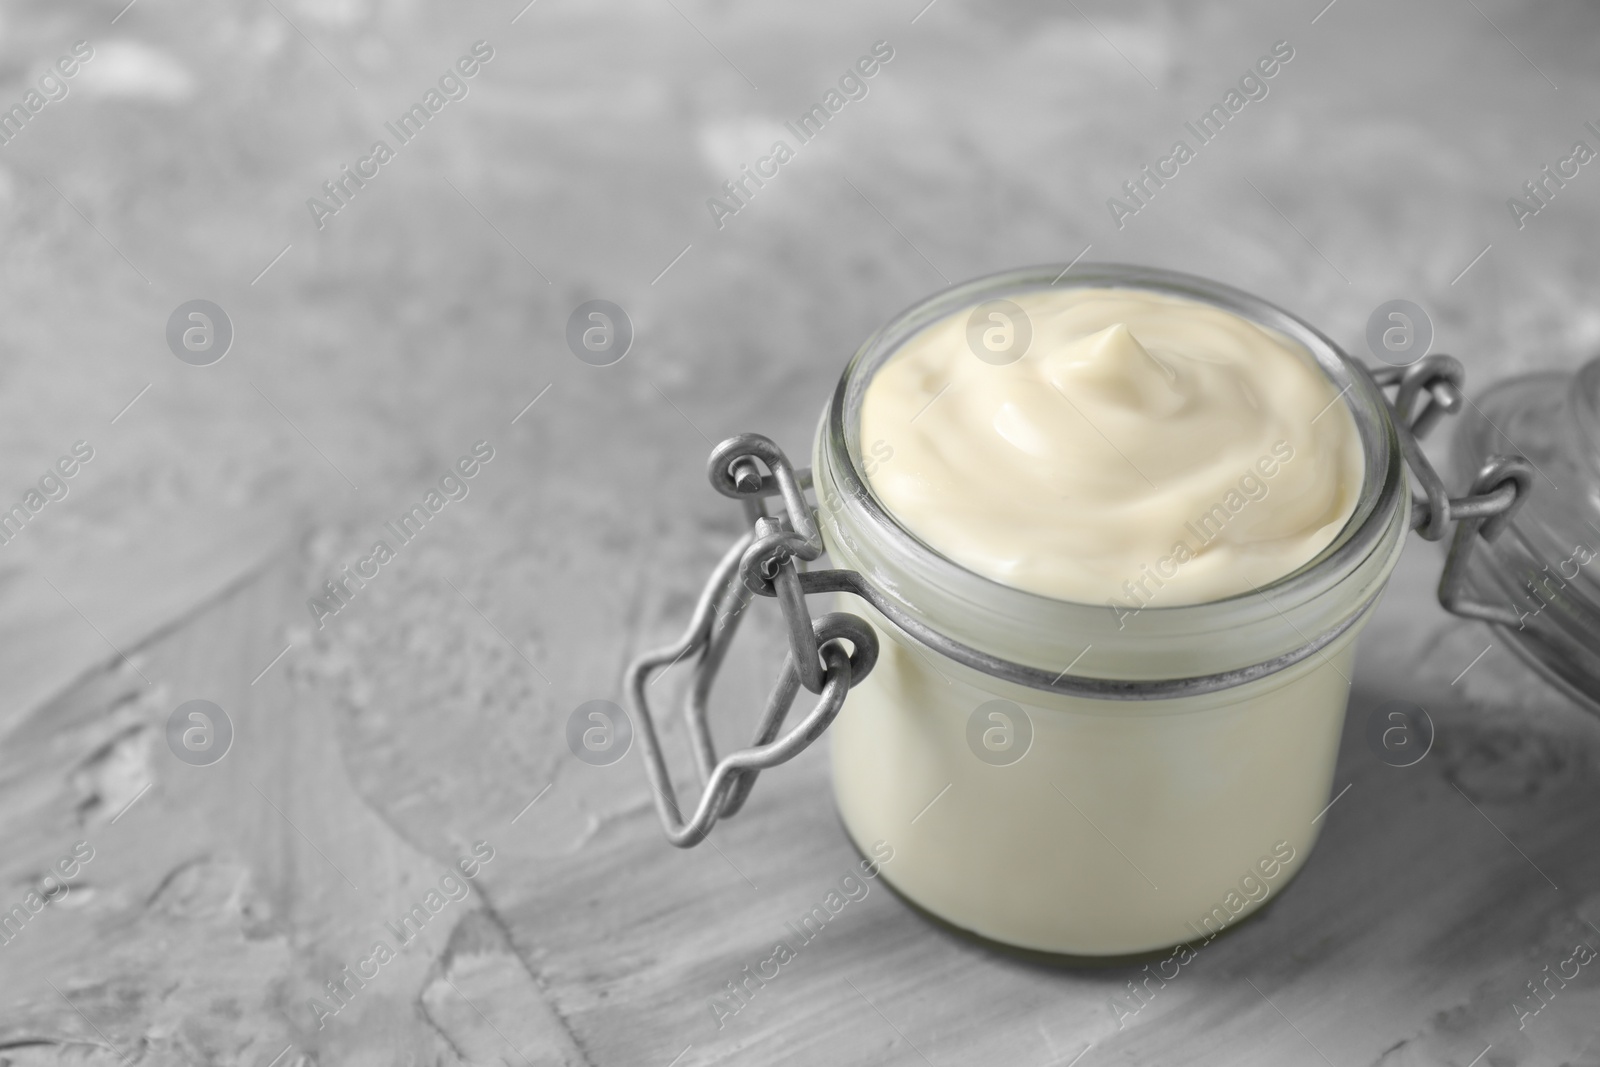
x,y
430,310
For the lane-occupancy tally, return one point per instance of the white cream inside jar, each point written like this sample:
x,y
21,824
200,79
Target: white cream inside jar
x,y
1143,449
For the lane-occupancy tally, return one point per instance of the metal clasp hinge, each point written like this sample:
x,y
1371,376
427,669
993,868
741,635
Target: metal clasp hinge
x,y
1426,391
765,561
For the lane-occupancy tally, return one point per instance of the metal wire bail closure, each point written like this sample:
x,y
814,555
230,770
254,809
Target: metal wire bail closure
x,y
1498,490
767,561
764,561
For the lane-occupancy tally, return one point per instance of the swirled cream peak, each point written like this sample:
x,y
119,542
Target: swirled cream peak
x,y
1146,450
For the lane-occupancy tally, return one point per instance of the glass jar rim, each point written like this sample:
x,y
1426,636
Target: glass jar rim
x,y
942,594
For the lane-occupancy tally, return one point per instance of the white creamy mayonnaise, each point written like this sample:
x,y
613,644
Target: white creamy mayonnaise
x,y
1144,450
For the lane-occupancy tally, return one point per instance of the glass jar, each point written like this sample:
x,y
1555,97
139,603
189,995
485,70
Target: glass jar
x,y
1052,775
1107,784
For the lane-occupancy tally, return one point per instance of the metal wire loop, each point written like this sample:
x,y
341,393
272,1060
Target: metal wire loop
x,y
1499,489
1498,475
1438,378
826,656
766,556
731,469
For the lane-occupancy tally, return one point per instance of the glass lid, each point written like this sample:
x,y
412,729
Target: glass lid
x,y
1545,564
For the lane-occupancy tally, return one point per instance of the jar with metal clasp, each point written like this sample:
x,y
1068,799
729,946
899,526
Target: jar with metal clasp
x,y
1050,780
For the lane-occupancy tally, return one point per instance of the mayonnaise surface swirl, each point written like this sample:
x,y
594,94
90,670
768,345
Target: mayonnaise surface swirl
x,y
1145,450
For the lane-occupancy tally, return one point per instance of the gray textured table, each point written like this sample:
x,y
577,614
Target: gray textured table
x,y
371,752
